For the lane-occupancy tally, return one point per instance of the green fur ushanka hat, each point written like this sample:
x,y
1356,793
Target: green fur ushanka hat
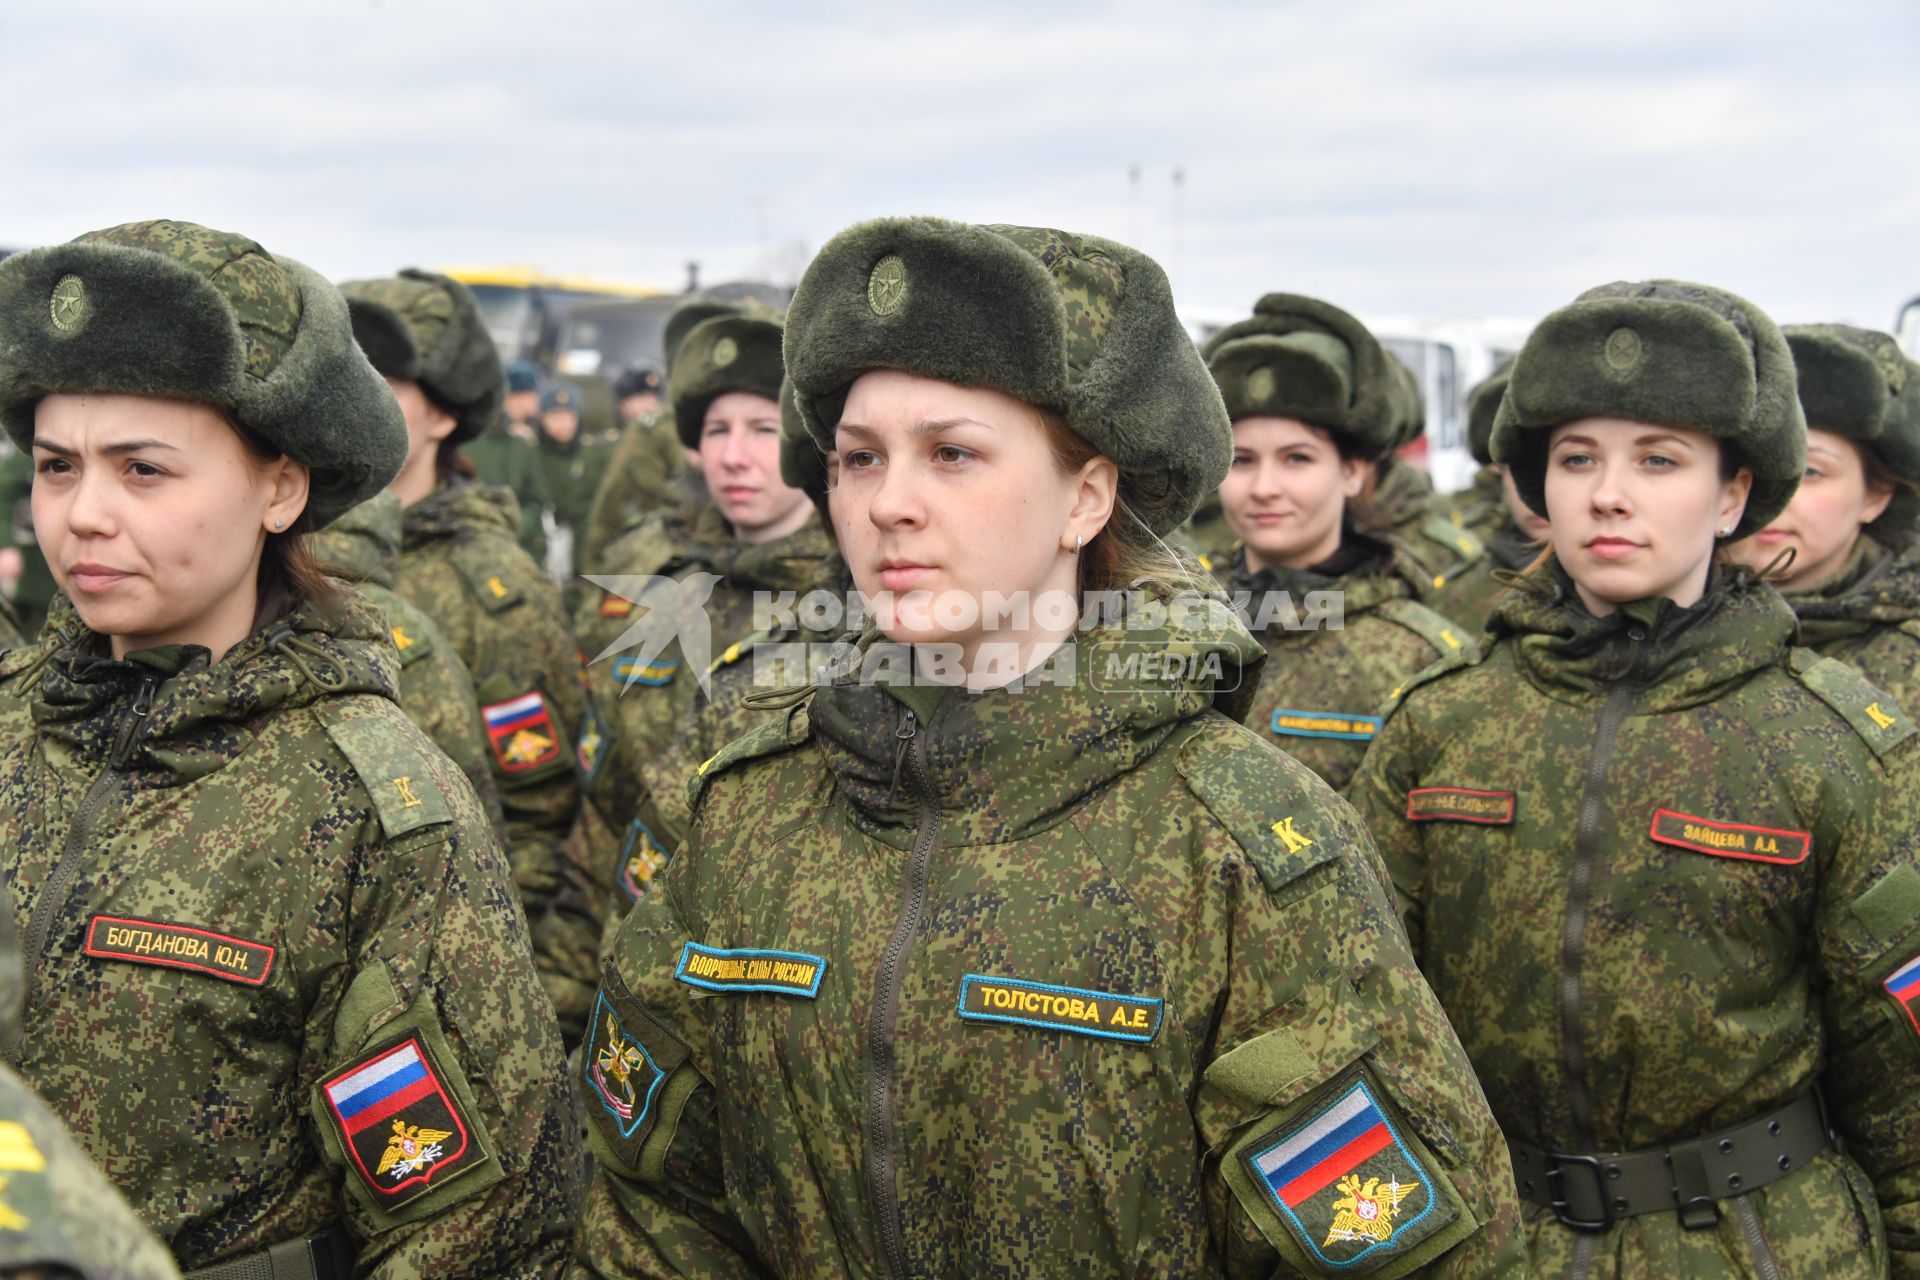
x,y
726,353
1663,352
1308,360
683,320
1859,384
1076,325
181,312
1483,402
802,465
426,328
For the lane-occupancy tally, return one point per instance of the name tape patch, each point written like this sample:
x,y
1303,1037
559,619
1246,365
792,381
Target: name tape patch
x,y
401,1126
1460,804
1731,839
1038,1004
1345,1183
179,946
1904,987
1325,724
787,973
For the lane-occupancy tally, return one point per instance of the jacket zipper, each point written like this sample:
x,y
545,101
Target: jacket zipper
x,y
1573,941
53,896
1763,1259
888,1229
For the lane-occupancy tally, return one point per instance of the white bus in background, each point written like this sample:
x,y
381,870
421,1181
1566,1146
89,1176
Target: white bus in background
x,y
1448,356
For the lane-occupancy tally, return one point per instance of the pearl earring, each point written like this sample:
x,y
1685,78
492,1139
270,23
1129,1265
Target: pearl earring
x,y
279,525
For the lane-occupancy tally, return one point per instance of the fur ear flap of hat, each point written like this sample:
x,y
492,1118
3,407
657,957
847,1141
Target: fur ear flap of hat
x,y
178,311
1076,325
1305,359
1664,352
426,328
727,353
1859,384
802,465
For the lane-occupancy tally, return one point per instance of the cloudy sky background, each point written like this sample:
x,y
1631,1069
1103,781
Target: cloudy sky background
x,y
1395,156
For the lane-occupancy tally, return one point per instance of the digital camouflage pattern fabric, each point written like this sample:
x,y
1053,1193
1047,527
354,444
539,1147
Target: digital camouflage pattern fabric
x,y
461,564
59,1216
651,706
1321,695
639,482
1702,844
242,879
436,690
1044,981
1400,506
1869,617
505,458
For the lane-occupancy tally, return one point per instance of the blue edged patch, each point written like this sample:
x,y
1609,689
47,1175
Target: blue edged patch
x,y
1039,1004
787,973
1325,724
635,671
621,1075
1345,1183
641,860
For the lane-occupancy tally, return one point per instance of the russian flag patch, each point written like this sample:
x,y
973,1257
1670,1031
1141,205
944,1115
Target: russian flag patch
x,y
1344,1182
401,1127
1904,987
521,732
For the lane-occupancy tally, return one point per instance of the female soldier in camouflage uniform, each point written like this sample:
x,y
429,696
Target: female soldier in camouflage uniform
x,y
757,539
1854,580
1659,865
461,562
1311,395
1069,977
277,983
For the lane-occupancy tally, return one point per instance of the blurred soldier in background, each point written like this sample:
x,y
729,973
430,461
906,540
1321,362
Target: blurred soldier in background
x,y
572,460
507,454
637,395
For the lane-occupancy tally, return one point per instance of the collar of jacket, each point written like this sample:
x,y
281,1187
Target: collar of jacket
x,y
1368,571
1682,658
461,507
363,545
203,713
1877,587
1403,494
1509,548
1007,763
793,563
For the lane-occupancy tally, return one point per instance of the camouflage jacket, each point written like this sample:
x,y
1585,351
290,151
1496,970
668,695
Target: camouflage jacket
x,y
637,483
1401,506
649,704
260,895
59,1217
436,691
459,563
1869,617
506,456
1699,846
1321,695
1480,508
1039,981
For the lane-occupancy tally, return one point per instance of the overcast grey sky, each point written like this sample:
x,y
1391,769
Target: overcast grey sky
x,y
1408,156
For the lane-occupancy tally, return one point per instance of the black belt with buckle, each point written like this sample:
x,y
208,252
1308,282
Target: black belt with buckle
x,y
328,1255
1592,1192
